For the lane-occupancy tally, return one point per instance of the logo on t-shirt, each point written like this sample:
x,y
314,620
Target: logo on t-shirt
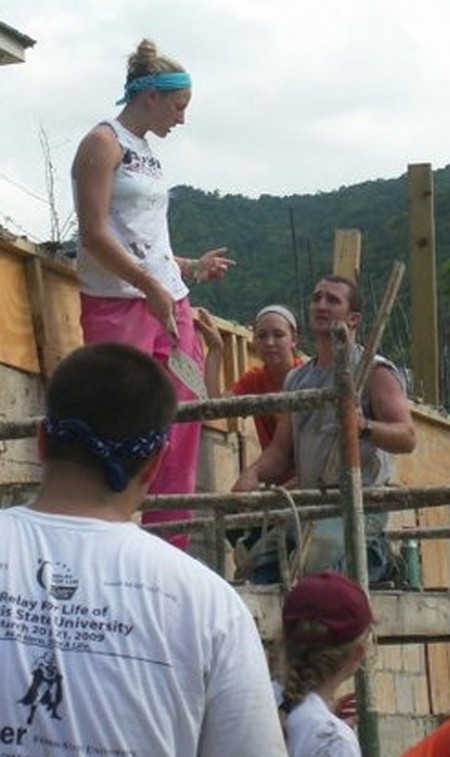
x,y
57,579
45,689
145,164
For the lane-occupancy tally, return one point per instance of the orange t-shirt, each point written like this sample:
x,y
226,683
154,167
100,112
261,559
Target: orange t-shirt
x,y
437,744
259,381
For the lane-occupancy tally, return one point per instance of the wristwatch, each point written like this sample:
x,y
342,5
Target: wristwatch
x,y
367,429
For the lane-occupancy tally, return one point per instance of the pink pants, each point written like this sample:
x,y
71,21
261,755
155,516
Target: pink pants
x,y
108,319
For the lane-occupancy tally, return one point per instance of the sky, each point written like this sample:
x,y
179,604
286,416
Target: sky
x,y
289,96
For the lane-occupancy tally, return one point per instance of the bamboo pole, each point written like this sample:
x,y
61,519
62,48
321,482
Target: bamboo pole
x,y
351,498
354,531
223,407
254,404
388,497
275,517
376,334
331,469
312,503
410,532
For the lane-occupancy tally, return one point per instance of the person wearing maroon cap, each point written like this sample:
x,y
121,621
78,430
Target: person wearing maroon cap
x,y
327,623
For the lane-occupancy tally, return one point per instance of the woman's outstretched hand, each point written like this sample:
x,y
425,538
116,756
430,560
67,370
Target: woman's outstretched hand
x,y
213,265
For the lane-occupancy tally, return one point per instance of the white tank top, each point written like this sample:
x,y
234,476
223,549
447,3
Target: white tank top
x,y
138,219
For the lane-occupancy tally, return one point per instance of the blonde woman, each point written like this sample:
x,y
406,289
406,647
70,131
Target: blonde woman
x,y
133,288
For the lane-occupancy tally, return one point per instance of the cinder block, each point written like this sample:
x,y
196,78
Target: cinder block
x,y
420,694
413,658
390,658
385,692
404,693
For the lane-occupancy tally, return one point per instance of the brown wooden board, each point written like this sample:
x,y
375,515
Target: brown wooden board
x,y
347,253
428,466
62,306
424,314
17,340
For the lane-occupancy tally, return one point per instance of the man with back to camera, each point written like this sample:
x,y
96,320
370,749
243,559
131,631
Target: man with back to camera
x,y
111,640
384,421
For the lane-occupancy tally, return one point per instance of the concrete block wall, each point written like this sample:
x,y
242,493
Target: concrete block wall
x,y
401,680
399,732
21,396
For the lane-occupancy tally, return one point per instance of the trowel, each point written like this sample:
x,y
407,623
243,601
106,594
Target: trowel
x,y
184,367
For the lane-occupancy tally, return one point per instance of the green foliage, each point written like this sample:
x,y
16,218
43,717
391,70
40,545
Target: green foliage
x,y
283,244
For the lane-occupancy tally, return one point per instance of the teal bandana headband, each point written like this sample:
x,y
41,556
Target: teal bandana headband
x,y
163,80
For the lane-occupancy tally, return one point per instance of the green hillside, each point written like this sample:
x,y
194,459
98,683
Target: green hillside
x,y
282,245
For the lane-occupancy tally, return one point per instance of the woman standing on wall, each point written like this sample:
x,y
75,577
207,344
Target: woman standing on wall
x,y
132,285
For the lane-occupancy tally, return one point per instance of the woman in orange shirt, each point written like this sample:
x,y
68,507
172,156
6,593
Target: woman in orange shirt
x,y
275,340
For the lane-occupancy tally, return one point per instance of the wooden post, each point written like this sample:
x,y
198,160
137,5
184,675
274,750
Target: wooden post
x,y
220,535
347,253
424,322
231,371
242,367
36,296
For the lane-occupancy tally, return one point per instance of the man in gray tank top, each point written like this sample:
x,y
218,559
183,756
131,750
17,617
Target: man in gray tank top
x,y
306,438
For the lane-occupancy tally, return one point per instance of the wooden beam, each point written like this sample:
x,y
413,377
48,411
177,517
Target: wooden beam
x,y
424,321
36,297
347,253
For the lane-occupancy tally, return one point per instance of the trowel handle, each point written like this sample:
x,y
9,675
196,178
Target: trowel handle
x,y
172,327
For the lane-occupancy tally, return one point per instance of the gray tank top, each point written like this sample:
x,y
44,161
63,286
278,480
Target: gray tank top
x,y
314,431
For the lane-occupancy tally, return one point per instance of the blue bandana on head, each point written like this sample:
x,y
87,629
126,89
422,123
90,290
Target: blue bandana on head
x,y
107,451
162,80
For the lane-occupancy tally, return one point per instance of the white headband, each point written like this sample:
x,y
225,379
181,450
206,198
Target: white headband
x,y
280,310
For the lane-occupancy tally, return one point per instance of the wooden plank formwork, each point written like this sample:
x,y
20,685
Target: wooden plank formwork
x,y
429,464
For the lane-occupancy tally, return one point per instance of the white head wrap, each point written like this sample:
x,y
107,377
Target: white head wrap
x,y
280,310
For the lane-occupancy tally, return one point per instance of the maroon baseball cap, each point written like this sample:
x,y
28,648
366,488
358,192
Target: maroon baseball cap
x,y
332,599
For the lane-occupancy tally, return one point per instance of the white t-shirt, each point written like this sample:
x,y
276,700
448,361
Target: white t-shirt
x,y
114,643
312,730
138,219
